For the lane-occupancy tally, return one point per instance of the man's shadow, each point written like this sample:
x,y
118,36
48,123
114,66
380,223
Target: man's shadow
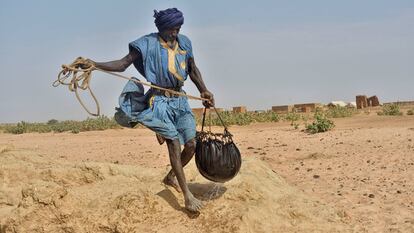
x,y
204,192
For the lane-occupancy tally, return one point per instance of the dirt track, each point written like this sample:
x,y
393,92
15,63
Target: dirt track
x,y
358,177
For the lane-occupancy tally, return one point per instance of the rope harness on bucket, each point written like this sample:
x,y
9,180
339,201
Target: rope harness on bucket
x,y
81,72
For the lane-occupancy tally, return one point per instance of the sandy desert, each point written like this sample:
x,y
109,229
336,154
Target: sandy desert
x,y
358,177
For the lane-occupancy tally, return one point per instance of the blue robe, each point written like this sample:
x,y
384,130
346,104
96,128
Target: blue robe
x,y
162,66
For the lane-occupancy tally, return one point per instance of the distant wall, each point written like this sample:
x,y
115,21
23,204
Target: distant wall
x,y
282,108
308,107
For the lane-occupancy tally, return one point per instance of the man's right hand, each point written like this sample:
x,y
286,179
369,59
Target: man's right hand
x,y
88,64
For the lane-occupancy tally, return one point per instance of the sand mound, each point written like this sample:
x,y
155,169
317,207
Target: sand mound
x,y
38,194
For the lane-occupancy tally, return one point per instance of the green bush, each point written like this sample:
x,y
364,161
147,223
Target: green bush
x,y
320,124
390,110
410,112
20,128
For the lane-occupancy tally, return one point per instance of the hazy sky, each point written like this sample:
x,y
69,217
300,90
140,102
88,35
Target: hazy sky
x,y
252,53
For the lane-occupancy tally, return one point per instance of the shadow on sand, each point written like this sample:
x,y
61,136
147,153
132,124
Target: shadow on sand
x,y
204,192
207,191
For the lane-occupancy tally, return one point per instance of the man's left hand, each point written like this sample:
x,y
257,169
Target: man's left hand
x,y
207,95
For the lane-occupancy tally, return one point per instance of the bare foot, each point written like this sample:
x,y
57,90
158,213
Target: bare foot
x,y
172,181
193,204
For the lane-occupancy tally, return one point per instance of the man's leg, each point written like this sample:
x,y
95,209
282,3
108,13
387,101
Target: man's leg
x,y
160,138
186,155
174,150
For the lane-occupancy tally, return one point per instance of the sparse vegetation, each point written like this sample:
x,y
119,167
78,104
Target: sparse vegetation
x,y
99,123
410,112
338,111
4,126
292,117
320,124
231,118
390,110
295,125
52,121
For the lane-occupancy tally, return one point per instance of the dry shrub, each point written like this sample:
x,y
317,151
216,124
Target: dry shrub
x,y
390,110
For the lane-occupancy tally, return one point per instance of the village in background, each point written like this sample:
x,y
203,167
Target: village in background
x,y
362,102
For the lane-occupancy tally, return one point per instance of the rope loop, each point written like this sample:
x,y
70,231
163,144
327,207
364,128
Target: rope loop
x,y
80,73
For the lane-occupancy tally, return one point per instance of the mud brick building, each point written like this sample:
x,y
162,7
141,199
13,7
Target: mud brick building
x,y
240,109
373,101
282,108
361,101
308,107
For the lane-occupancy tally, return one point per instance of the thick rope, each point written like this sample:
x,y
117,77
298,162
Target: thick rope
x,y
81,71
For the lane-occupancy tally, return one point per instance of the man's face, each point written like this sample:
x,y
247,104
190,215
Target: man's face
x,y
170,34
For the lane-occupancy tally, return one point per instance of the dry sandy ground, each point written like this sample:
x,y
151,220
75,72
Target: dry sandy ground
x,y
358,177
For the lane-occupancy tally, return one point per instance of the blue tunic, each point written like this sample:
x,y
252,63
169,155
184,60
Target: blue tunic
x,y
165,67
157,65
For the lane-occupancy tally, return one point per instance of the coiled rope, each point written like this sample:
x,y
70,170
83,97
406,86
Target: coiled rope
x,y
79,73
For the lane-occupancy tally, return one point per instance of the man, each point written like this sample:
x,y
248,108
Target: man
x,y
165,59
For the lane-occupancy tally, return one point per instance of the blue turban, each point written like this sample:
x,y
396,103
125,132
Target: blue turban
x,y
168,18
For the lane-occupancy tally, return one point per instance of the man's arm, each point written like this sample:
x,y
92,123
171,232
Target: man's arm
x,y
119,65
195,76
